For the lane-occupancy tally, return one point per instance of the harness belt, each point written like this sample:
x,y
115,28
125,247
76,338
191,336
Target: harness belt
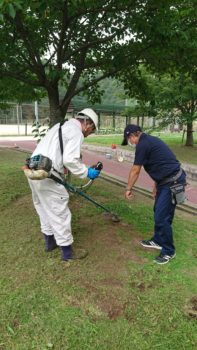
x,y
56,179
53,169
171,179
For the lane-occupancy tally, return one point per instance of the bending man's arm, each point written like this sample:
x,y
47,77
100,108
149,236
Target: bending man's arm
x,y
133,176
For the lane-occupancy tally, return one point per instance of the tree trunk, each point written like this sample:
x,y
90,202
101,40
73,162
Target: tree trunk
x,y
189,139
56,113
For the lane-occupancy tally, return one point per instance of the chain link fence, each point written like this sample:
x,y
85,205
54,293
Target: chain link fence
x,y
18,119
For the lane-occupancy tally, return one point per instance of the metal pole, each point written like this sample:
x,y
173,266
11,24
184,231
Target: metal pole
x,y
21,114
99,120
26,127
17,116
21,117
36,112
114,121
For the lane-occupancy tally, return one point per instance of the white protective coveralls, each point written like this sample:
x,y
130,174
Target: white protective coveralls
x,y
49,197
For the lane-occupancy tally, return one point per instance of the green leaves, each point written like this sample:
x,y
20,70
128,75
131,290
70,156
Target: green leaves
x,y
51,43
12,11
39,131
9,7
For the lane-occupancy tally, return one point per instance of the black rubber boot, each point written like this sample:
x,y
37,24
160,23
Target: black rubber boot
x,y
50,243
69,254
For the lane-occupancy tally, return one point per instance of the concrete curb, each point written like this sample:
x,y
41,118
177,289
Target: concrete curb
x,y
187,207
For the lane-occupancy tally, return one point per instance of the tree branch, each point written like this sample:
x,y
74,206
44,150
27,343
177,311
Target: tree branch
x,y
69,96
67,41
19,77
75,78
31,67
62,36
37,64
95,81
100,9
71,92
88,45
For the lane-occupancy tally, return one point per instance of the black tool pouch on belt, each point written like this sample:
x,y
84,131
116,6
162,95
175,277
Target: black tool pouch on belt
x,y
178,193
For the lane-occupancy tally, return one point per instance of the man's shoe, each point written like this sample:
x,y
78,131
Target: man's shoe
x,y
50,243
150,244
164,258
69,254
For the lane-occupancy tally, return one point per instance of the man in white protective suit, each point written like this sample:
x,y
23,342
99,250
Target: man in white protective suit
x,y
51,198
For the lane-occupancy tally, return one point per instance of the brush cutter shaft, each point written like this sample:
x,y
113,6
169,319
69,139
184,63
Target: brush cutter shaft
x,y
82,194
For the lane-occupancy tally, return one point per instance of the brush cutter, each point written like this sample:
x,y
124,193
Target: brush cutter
x,y
76,190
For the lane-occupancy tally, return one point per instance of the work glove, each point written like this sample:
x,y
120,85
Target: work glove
x,y
93,173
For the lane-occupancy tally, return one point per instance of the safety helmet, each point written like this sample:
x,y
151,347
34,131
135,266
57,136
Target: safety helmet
x,y
88,112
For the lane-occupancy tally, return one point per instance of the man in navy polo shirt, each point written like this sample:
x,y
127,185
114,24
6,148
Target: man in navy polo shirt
x,y
163,167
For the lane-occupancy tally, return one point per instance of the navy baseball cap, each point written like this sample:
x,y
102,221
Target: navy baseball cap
x,y
130,129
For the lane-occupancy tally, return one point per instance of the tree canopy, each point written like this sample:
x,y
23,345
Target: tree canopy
x,y
76,44
177,100
171,98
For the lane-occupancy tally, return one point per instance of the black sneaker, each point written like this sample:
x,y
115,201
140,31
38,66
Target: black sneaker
x,y
164,258
150,244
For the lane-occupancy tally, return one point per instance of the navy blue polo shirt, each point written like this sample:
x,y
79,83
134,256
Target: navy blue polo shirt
x,y
156,157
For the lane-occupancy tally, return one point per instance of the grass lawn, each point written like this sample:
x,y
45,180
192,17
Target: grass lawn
x,y
183,153
115,299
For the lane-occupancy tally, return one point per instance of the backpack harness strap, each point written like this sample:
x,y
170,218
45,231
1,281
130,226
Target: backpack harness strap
x,y
60,141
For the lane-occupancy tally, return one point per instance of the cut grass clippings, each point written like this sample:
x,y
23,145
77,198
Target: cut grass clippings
x,y
116,298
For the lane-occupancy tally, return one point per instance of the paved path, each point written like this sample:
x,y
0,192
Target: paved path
x,y
110,166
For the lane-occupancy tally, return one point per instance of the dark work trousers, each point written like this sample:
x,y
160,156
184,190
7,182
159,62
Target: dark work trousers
x,y
163,216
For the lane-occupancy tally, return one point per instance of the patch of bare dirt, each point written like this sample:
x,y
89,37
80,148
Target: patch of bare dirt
x,y
108,304
191,307
106,274
24,200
